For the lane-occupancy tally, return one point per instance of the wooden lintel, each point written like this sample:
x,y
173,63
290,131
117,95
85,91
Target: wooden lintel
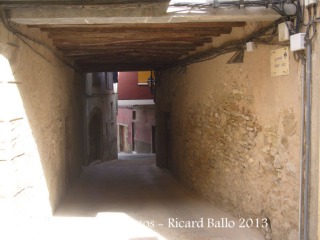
x,y
140,26
138,34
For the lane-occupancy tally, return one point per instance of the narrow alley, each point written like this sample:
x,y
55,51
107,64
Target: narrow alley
x,y
159,119
133,187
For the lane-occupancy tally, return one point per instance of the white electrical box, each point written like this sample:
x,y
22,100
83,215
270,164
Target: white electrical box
x,y
310,2
250,46
283,31
297,42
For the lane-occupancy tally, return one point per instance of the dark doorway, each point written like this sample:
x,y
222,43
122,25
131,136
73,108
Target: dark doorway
x,y
95,137
121,138
153,139
133,138
168,140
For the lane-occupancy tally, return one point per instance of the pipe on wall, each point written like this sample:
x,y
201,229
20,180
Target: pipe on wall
x,y
308,137
302,137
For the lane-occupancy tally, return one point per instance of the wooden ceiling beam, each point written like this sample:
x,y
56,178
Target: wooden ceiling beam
x,y
114,53
141,30
106,50
133,47
58,32
139,26
119,65
144,44
124,68
119,39
137,58
88,42
139,35
128,54
127,60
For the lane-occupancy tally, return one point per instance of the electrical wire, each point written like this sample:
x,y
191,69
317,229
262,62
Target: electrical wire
x,y
277,5
260,36
311,25
24,37
263,35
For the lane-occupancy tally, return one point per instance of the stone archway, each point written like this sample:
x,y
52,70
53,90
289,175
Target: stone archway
x,y
95,136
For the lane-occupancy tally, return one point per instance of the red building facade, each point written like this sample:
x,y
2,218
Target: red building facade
x,y
136,118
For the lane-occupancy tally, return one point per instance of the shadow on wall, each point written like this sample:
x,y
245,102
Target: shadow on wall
x,y
95,135
40,114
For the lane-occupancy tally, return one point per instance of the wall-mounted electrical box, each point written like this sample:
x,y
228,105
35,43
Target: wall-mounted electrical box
x,y
297,42
310,2
283,31
250,46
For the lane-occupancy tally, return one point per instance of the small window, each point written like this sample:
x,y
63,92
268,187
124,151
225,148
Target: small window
x,y
109,81
133,115
96,78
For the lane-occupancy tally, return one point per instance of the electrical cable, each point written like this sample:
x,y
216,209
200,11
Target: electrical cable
x,y
263,35
22,36
277,5
259,36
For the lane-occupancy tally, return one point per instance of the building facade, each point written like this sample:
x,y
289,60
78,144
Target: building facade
x,y
136,114
100,117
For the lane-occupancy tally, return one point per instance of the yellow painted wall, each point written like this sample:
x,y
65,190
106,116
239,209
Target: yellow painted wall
x,y
143,77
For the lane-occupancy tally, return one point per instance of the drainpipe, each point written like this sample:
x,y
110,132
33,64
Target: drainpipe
x,y
301,206
305,143
308,137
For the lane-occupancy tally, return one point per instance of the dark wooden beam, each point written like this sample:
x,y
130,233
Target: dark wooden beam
x,y
88,42
114,37
122,67
133,44
130,59
127,53
139,34
111,48
138,26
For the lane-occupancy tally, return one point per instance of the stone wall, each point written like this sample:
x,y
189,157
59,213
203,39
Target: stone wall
x,y
104,101
41,126
234,136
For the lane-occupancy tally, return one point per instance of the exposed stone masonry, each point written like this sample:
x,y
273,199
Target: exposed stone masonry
x,y
221,152
234,147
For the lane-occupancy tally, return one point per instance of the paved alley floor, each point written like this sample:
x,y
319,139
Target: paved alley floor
x,y
130,198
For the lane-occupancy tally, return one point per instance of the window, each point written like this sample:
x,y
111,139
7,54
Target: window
x,y
133,115
144,76
96,78
109,80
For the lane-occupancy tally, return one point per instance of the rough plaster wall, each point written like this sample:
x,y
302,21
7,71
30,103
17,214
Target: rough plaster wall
x,y
235,136
102,99
48,105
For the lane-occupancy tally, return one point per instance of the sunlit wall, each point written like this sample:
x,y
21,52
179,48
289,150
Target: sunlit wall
x,y
40,128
